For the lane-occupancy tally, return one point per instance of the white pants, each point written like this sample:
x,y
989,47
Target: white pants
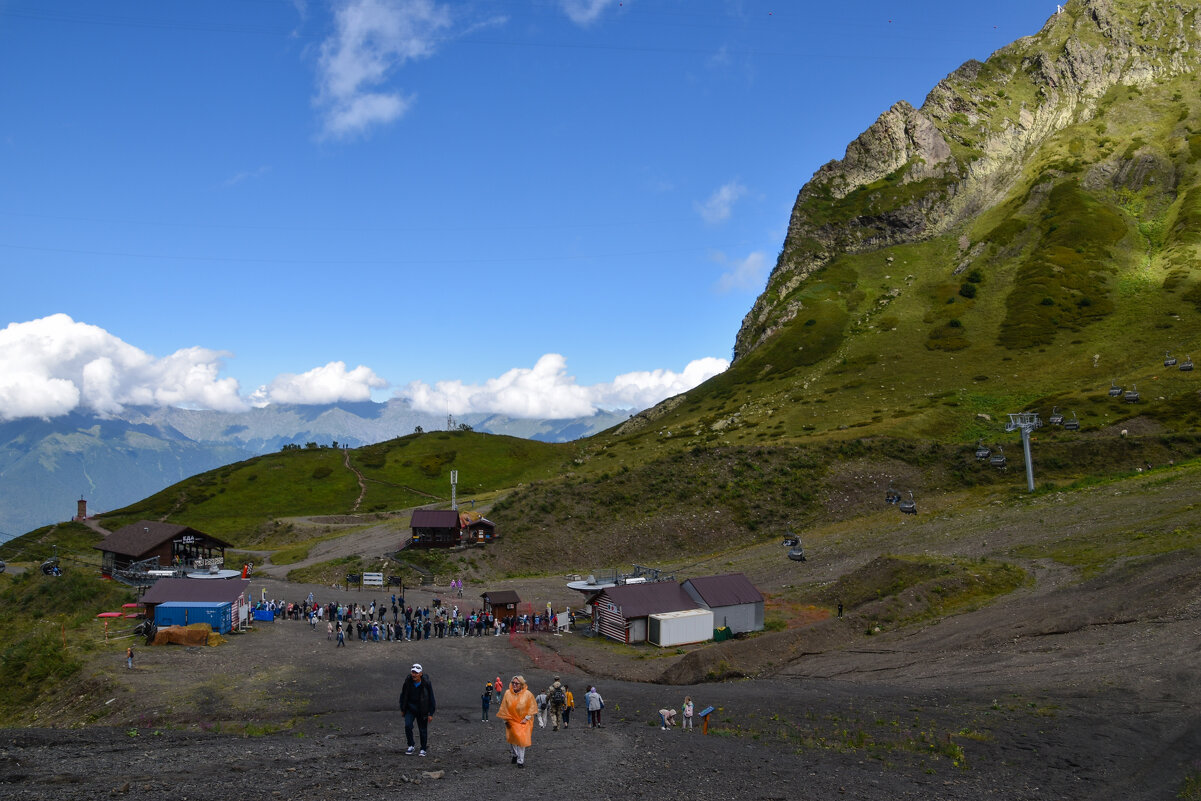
x,y
519,752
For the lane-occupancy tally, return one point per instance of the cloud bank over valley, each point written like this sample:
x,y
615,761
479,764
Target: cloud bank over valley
x,y
56,365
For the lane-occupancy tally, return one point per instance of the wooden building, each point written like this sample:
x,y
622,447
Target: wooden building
x,y
435,528
172,543
476,528
621,613
501,603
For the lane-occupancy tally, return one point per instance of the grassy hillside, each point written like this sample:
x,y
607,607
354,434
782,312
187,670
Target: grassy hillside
x,y
239,502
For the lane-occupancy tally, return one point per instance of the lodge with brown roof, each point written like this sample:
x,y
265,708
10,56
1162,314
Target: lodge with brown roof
x,y
172,543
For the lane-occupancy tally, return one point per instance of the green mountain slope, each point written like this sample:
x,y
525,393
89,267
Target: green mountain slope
x,y
1025,238
241,501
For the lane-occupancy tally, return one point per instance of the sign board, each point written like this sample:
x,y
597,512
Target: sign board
x,y
373,579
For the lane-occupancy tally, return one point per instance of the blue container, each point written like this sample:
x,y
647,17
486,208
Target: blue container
x,y
219,615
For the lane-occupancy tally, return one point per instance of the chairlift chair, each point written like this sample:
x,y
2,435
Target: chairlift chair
x,y
1056,418
797,554
1187,365
1131,395
908,507
997,460
982,451
1114,390
891,495
1072,425
1168,359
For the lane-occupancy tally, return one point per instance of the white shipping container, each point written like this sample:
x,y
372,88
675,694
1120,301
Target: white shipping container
x,y
680,628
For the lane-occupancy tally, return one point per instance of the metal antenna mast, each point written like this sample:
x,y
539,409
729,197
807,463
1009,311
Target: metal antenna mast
x,y
1025,422
454,480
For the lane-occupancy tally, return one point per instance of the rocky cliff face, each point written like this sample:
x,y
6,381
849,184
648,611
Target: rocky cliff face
x,y
919,173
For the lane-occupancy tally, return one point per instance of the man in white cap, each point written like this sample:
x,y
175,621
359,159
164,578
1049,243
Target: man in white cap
x,y
417,703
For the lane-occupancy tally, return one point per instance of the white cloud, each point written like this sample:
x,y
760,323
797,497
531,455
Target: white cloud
x,y
584,12
246,175
720,204
328,384
547,391
54,365
749,273
641,390
371,39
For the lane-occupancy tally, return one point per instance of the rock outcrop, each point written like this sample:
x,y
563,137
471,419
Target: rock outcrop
x,y
919,173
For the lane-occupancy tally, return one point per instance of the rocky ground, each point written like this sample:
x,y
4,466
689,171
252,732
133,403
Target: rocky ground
x,y
1060,708
1073,687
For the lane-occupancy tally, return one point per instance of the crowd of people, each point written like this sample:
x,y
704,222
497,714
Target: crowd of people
x,y
397,622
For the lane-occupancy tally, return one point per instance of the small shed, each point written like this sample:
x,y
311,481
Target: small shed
x,y
621,612
476,528
501,603
680,628
735,602
435,528
190,591
172,543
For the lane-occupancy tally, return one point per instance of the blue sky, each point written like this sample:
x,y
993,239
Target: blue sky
x,y
529,207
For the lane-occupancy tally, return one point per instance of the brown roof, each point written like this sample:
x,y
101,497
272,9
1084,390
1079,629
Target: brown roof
x,y
146,535
652,598
730,589
435,518
185,589
501,597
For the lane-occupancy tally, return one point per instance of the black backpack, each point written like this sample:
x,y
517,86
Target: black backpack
x,y
558,697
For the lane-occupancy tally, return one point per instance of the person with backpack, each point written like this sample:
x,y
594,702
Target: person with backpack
x,y
417,703
556,700
540,698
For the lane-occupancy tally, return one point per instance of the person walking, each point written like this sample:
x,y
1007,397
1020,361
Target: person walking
x,y
542,710
686,723
556,699
129,657
594,703
517,711
486,699
568,706
417,703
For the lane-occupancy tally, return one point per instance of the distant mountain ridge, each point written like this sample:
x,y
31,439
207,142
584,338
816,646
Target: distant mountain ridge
x,y
46,465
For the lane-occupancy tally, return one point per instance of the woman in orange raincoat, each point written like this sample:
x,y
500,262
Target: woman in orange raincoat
x,y
517,711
